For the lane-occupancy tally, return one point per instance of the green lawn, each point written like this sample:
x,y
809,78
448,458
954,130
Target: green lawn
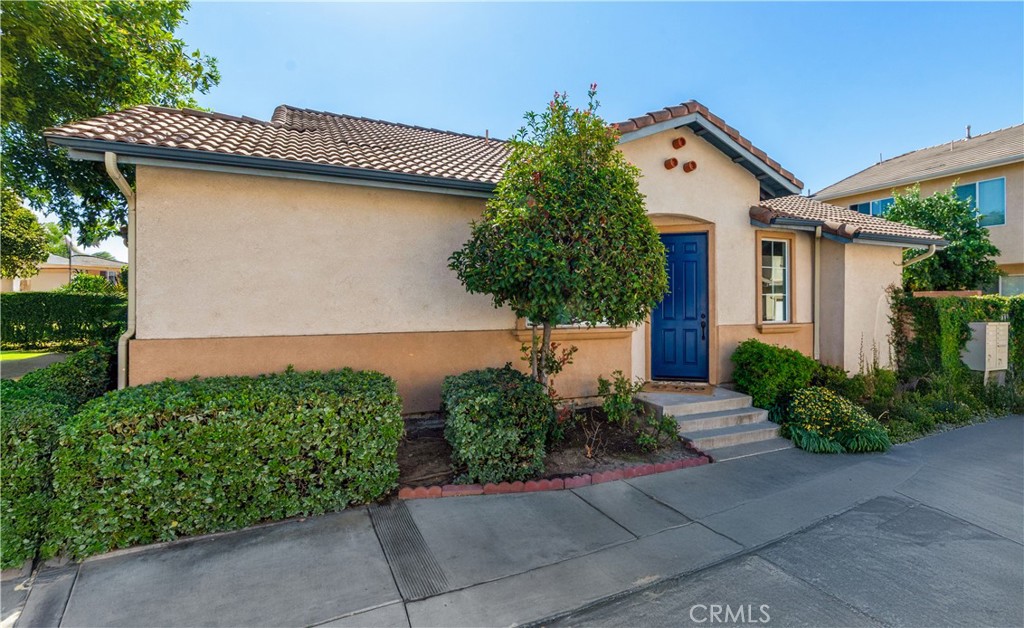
x,y
10,356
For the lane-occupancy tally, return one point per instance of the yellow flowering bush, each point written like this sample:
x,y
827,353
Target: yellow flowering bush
x,y
822,421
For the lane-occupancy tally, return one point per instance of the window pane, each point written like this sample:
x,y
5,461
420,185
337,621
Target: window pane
x,y
864,208
992,202
967,193
1011,286
881,206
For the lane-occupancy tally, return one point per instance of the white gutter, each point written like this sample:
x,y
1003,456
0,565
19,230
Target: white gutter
x,y
817,293
920,258
110,161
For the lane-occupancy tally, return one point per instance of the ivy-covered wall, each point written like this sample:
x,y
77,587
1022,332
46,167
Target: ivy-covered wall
x,y
929,333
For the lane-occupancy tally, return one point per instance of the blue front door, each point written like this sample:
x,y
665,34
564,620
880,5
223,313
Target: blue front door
x,y
679,324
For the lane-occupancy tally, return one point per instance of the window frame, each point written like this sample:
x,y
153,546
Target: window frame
x,y
871,205
790,294
974,197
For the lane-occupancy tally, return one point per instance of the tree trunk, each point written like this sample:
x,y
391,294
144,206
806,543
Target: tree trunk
x,y
533,353
545,355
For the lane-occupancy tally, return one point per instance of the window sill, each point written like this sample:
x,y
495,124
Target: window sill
x,y
779,328
576,333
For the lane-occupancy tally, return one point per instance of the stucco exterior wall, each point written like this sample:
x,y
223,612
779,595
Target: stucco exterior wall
x,y
855,306
224,255
1008,237
719,194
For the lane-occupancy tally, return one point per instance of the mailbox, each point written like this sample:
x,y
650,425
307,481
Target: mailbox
x,y
988,349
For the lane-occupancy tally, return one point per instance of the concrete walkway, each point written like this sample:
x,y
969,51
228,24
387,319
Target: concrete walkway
x,y
16,369
507,559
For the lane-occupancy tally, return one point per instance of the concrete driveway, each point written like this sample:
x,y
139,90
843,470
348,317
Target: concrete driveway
x,y
928,534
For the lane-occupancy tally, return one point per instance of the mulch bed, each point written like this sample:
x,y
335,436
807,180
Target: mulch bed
x,y
424,457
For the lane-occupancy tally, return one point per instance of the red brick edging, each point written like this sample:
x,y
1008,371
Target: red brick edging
x,y
532,486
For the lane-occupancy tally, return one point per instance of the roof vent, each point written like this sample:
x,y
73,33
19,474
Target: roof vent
x,y
968,131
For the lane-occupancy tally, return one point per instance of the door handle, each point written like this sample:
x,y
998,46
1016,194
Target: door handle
x,y
703,324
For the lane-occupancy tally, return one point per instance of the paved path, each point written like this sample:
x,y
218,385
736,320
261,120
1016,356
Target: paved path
x,y
16,369
928,534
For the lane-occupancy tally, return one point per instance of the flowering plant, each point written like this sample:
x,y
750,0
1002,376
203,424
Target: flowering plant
x,y
822,421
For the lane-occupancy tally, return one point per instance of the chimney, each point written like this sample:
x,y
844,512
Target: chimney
x,y
968,131
487,135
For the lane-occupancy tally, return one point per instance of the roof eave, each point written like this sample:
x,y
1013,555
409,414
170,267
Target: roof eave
x,y
93,150
825,195
770,180
805,224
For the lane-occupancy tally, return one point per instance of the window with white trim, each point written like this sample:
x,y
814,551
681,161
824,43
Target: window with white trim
x,y
775,285
1011,285
988,198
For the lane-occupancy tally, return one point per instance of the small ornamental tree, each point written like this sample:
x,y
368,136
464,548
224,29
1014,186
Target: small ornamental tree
x,y
22,240
565,238
967,263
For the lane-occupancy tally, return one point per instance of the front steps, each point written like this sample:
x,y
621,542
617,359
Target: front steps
x,y
722,424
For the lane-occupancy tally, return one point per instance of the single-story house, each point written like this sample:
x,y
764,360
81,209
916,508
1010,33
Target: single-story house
x,y
987,170
58,270
322,240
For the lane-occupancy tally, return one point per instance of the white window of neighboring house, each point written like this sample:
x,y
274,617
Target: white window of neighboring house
x,y
775,284
988,198
110,275
873,208
1011,286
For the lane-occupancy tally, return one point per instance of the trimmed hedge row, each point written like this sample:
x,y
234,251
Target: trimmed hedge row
x,y
34,319
155,462
34,410
497,422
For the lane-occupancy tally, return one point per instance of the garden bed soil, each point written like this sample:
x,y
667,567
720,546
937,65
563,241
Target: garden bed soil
x,y
424,457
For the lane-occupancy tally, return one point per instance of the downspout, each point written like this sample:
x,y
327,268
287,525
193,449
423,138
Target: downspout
x,y
110,161
922,257
817,293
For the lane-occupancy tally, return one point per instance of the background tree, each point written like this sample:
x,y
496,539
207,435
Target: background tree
x,y
22,241
104,255
56,239
566,238
967,263
63,61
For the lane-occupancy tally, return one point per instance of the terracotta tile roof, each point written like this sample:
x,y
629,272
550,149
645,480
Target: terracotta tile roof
x,y
691,107
844,223
1002,146
303,135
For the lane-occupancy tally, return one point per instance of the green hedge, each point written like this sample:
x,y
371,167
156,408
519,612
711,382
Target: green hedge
x,y
929,333
36,319
28,434
155,462
769,374
34,409
496,421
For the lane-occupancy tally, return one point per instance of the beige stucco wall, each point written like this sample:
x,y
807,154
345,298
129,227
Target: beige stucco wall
x,y
224,255
1008,237
855,307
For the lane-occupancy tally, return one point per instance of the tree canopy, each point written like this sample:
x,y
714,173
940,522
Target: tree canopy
x,y
64,61
967,263
22,241
566,238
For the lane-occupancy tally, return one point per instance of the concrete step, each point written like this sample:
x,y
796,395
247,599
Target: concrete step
x,y
721,418
684,404
732,452
732,435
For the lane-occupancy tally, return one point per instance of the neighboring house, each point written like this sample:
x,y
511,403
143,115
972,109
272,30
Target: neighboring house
x,y
321,240
56,272
987,169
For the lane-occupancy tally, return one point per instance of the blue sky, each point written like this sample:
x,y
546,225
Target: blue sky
x,y
822,87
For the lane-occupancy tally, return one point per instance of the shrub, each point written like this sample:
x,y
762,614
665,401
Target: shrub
x,y
155,462
621,408
824,422
34,319
28,435
497,421
84,375
769,374
83,283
